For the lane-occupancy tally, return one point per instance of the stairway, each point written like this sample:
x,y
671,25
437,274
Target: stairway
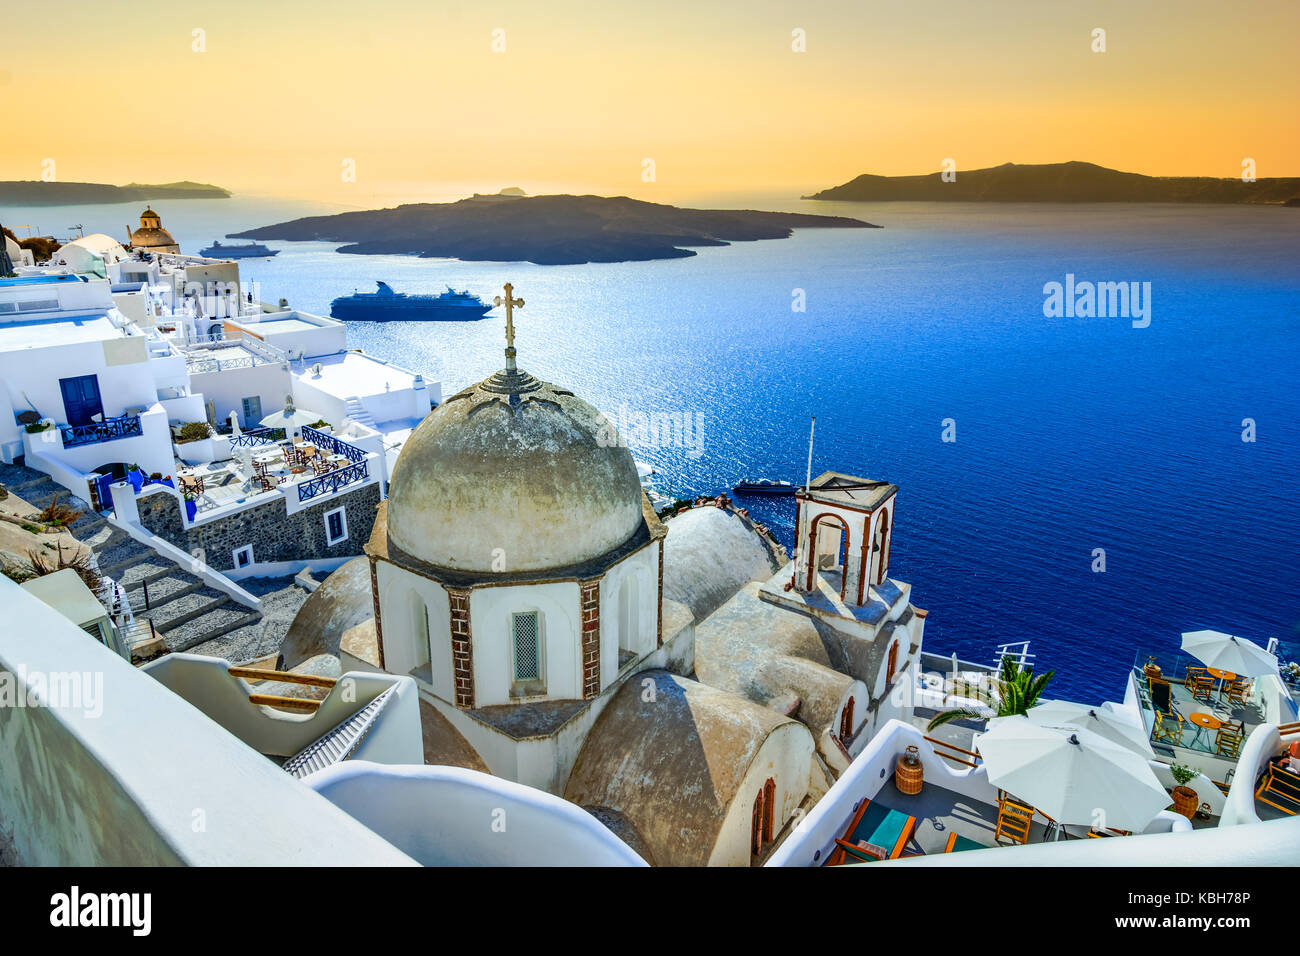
x,y
187,614
184,610
358,413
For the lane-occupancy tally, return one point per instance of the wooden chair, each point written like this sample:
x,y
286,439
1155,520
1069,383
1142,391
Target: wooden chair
x,y
1228,741
1194,674
1202,689
1108,832
957,843
1169,727
1014,820
1238,691
1280,784
875,829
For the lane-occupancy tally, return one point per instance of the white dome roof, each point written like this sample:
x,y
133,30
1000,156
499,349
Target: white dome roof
x,y
513,475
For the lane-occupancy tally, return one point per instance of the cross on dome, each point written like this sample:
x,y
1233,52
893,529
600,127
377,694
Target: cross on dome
x,y
510,303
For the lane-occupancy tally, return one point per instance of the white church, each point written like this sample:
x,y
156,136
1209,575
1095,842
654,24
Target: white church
x,y
682,680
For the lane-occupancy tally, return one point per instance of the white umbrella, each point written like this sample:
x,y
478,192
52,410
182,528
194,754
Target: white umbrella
x,y
1227,653
289,418
234,425
1072,776
1103,722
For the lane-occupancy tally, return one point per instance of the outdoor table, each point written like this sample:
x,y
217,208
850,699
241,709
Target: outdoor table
x,y
337,460
1223,676
1203,721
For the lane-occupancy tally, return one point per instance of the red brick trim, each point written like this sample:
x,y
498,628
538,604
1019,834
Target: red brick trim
x,y
374,598
462,648
659,639
589,615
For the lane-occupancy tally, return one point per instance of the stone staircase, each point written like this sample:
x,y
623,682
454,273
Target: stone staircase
x,y
187,614
184,611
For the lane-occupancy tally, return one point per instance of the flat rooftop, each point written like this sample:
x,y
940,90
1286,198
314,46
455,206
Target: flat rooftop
x,y
65,330
345,374
832,487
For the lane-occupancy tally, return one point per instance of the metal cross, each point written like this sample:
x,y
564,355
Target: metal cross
x,y
510,303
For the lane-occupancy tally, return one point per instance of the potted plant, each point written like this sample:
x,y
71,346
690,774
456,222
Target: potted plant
x,y
1186,801
191,505
1152,669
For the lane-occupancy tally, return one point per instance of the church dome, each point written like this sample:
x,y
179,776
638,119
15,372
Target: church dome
x,y
513,475
151,235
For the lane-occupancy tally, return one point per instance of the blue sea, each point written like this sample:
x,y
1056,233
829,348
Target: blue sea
x,y
1072,434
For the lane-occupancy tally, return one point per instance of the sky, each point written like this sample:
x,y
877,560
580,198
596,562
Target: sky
x,y
435,100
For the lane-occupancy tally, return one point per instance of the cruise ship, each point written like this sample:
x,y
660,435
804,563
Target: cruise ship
x,y
386,305
250,250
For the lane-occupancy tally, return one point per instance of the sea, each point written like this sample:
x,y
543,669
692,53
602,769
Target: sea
x,y
1095,484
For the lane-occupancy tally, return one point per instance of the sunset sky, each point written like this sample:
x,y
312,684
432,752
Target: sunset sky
x,y
584,92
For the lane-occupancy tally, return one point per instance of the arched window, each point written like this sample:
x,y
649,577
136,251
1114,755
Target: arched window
x,y
528,643
629,615
891,665
846,721
841,551
763,822
419,637
880,546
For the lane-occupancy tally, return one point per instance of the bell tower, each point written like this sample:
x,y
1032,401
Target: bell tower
x,y
844,527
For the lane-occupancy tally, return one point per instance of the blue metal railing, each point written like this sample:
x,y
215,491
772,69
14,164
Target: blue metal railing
x,y
257,436
332,481
325,440
110,429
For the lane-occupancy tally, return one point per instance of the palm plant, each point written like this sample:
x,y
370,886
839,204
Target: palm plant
x,y
1018,690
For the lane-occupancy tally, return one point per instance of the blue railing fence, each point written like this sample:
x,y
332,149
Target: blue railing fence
x,y
110,429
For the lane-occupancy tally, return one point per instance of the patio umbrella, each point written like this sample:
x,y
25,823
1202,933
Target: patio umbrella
x,y
289,418
1227,653
1101,721
1072,776
234,425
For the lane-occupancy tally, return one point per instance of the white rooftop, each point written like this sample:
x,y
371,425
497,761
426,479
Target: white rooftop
x,y
346,374
46,333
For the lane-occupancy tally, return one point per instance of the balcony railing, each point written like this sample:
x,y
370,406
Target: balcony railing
x,y
336,447
110,429
256,437
332,481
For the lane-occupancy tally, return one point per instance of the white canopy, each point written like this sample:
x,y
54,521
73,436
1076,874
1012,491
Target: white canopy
x,y
1073,776
1227,653
1102,721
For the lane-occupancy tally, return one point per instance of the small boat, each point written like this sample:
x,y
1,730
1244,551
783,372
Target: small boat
x,y
248,251
763,486
386,305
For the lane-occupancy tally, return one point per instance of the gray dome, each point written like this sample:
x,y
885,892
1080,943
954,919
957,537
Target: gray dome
x,y
514,464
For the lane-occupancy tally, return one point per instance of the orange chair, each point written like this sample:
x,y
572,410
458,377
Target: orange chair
x,y
1281,784
1014,820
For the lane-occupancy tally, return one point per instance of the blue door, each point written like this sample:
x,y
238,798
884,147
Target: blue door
x,y
81,399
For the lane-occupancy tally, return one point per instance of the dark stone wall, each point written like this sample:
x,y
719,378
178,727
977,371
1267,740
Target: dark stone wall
x,y
274,534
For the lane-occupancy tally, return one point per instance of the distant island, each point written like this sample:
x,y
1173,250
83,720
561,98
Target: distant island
x,y
35,192
1061,182
546,230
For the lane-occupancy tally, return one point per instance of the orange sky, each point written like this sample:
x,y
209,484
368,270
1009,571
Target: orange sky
x,y
584,92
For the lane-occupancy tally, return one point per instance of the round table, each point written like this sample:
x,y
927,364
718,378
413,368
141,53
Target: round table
x,y
1204,721
337,460
1224,676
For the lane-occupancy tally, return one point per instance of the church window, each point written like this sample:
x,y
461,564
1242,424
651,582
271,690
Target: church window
x,y
528,646
763,823
846,721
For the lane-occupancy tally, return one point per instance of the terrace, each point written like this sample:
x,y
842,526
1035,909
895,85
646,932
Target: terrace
x,y
1204,728
318,464
957,809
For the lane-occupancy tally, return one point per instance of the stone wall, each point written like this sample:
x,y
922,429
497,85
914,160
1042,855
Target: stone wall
x,y
274,534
